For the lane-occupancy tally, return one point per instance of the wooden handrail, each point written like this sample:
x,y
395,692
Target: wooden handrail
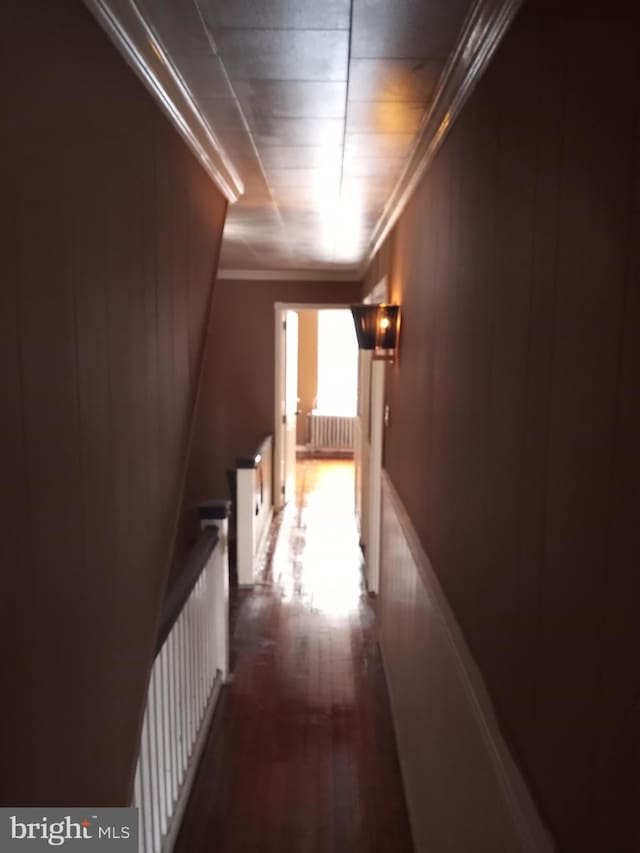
x,y
181,589
252,460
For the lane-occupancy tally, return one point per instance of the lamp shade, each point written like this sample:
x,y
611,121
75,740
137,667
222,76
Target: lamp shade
x,y
365,318
377,328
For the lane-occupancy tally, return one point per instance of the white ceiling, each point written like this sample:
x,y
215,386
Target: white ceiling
x,y
318,105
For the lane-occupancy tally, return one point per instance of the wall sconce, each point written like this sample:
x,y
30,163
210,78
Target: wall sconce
x,y
377,329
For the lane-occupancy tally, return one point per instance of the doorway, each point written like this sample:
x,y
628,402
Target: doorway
x,y
316,387
327,383
329,401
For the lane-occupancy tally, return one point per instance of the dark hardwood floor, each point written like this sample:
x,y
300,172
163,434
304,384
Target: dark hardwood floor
x,y
301,757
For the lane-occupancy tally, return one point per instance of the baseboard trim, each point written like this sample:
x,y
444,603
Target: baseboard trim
x,y
263,545
533,835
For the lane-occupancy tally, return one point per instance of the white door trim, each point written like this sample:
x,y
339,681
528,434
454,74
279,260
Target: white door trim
x,y
371,440
374,480
278,426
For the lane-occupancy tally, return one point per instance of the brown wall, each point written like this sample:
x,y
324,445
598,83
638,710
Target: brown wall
x,y
307,370
237,399
515,413
110,233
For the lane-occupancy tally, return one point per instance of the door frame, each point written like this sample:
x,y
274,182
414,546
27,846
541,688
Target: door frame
x,y
371,393
280,310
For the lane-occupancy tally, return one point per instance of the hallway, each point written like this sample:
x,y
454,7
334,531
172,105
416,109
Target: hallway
x,y
301,757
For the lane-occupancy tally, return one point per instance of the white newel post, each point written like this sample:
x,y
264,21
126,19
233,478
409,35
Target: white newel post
x,y
216,514
245,520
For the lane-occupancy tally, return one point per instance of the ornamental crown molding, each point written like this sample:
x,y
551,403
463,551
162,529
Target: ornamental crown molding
x,y
133,36
482,32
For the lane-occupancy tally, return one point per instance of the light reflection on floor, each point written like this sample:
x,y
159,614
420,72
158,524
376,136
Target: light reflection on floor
x,y
317,561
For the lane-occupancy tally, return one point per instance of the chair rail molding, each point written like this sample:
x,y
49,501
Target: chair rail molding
x,y
409,583
484,28
134,37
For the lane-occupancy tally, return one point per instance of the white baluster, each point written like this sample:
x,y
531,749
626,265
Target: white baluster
x,y
179,701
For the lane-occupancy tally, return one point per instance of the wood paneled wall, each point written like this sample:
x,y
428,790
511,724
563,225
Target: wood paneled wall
x,y
110,232
515,414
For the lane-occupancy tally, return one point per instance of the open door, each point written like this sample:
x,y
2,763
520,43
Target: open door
x,y
290,404
286,406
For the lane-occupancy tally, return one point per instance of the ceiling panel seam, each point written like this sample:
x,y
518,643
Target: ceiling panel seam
x,y
214,48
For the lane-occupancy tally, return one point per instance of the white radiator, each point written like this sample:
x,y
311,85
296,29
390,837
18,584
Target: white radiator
x,y
330,432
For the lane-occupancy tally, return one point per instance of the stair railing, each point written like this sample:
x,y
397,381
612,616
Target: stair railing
x,y
190,667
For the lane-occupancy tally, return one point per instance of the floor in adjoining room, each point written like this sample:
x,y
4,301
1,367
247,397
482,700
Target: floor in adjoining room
x,y
301,756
